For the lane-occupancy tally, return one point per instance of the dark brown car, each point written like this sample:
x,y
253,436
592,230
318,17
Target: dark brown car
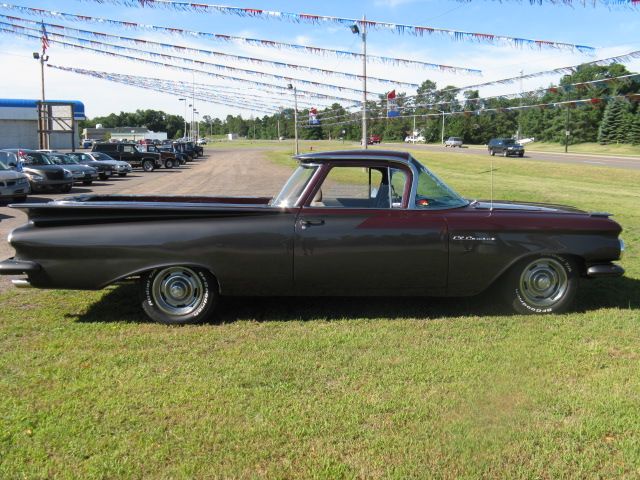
x,y
345,223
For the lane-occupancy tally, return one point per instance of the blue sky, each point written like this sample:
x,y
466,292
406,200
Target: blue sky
x,y
613,32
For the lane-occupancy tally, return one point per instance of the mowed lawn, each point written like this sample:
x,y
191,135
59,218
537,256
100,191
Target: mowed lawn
x,y
337,388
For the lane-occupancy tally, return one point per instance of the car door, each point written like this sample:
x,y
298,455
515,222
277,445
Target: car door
x,y
356,235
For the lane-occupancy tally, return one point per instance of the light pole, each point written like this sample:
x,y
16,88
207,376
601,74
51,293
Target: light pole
x,y
42,57
295,114
356,31
196,123
184,133
442,131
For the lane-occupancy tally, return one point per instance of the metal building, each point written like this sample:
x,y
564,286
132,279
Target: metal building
x,y
19,125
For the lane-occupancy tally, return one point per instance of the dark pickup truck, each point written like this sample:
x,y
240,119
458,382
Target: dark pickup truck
x,y
130,153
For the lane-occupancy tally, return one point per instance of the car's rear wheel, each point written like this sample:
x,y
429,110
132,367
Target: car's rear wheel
x,y
168,163
148,165
179,295
545,284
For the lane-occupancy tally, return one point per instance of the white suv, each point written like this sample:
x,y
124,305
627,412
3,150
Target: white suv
x,y
414,139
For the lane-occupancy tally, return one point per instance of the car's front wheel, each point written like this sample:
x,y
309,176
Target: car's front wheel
x,y
179,295
546,284
168,163
148,165
492,152
122,174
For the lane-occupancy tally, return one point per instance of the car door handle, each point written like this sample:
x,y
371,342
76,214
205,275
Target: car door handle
x,y
304,224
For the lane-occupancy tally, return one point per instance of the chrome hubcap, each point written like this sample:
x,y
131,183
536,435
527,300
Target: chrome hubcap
x,y
543,282
178,291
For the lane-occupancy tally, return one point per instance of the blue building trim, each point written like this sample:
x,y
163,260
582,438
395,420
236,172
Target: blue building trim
x,y
78,107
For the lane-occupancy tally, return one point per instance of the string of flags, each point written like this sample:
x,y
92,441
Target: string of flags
x,y
148,85
223,38
89,44
393,109
631,97
398,28
185,69
199,51
584,3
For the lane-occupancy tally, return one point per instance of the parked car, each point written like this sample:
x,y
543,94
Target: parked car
x,y
87,143
505,147
202,141
188,148
81,173
414,139
453,142
182,158
117,166
105,170
14,185
373,139
43,174
128,152
392,228
168,158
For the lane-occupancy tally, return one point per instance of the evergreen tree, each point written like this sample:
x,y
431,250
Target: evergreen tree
x,y
633,134
612,127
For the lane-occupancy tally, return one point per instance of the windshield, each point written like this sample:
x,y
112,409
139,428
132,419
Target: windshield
x,y
35,158
63,160
3,166
509,141
101,156
80,157
294,187
433,193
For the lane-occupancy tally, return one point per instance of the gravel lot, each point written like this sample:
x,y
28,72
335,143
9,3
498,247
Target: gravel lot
x,y
219,172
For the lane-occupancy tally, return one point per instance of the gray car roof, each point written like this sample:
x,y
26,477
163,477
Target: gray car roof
x,y
347,155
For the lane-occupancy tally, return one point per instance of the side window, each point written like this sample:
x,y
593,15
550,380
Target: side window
x,y
361,187
127,149
4,158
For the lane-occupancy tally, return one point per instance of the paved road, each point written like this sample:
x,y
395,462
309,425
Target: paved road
x,y
220,172
632,163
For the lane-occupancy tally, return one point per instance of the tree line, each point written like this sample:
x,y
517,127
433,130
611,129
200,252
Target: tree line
x,y
472,118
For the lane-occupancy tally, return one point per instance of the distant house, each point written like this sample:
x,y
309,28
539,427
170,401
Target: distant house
x,y
232,136
122,133
19,124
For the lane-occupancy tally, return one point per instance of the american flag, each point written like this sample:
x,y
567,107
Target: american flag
x,y
45,39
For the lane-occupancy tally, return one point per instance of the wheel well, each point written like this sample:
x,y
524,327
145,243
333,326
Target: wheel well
x,y
576,260
147,270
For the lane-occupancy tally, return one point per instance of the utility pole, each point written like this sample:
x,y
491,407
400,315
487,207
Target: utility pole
x,y
566,132
355,29
42,117
295,114
442,131
184,134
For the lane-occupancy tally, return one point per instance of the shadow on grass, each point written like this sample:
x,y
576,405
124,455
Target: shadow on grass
x,y
623,292
122,304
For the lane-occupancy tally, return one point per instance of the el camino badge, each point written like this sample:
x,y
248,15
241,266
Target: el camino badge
x,y
472,238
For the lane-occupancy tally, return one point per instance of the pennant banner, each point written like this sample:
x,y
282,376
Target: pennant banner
x,y
198,51
631,97
180,68
218,37
84,44
583,3
398,28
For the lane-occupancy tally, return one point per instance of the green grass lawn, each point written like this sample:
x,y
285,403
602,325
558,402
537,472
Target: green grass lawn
x,y
337,388
624,150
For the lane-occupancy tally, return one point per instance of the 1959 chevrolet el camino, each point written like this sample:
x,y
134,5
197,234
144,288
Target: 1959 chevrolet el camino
x,y
345,223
